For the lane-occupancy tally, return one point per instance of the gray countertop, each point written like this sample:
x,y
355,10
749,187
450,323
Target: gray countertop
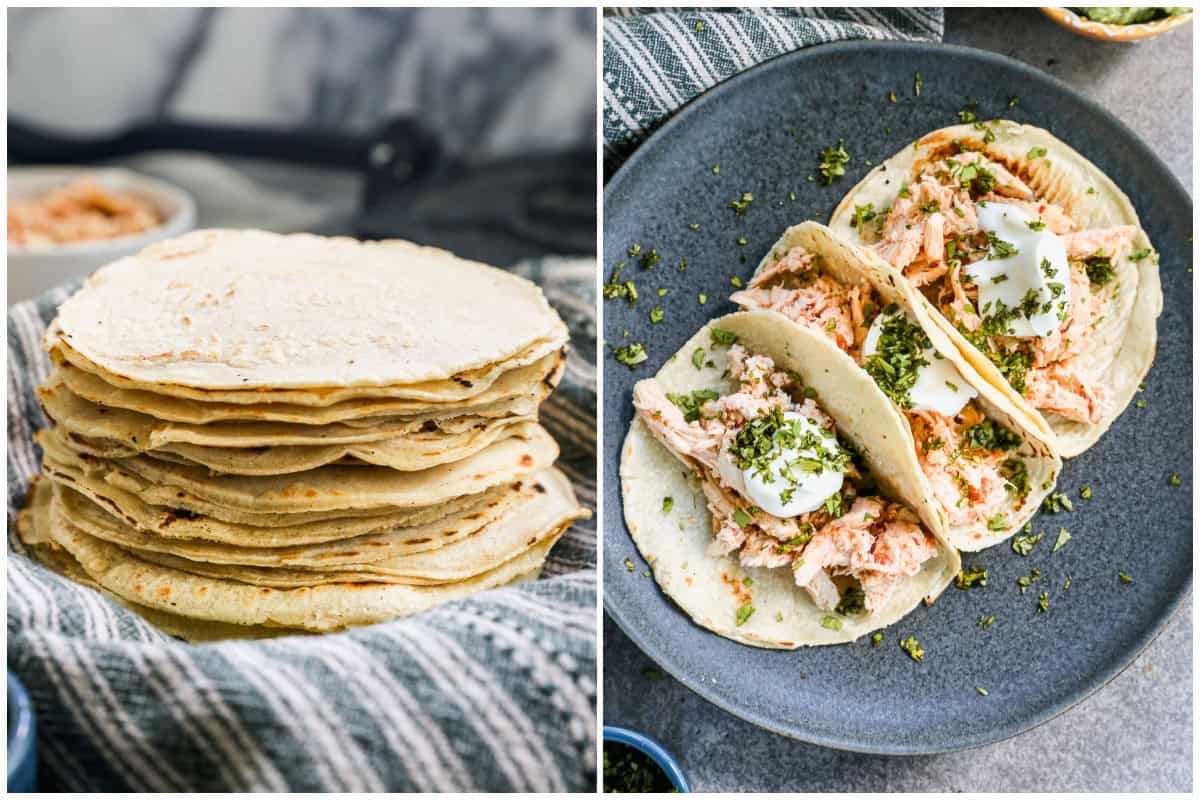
x,y
1134,734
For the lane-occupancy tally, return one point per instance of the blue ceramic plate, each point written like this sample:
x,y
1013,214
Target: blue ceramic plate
x,y
765,129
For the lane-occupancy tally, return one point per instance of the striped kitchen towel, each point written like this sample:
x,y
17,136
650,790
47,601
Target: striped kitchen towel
x,y
655,60
496,692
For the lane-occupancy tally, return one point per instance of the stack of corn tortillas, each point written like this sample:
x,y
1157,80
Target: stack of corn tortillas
x,y
254,432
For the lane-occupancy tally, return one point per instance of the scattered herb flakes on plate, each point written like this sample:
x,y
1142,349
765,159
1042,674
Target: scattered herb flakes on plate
x,y
832,164
971,577
913,648
1023,545
1064,536
631,354
741,206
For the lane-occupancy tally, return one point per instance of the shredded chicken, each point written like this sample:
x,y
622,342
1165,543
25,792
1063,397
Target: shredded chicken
x,y
871,542
821,303
937,209
967,484
686,440
1111,242
1059,388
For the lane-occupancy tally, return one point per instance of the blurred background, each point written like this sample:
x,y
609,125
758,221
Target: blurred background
x,y
470,129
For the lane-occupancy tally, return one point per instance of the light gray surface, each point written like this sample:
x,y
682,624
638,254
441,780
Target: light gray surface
x,y
1134,734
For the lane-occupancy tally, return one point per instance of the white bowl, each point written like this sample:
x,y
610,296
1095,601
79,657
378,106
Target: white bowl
x,y
32,270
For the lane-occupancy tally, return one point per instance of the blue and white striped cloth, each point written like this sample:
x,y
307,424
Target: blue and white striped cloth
x,y
656,60
496,692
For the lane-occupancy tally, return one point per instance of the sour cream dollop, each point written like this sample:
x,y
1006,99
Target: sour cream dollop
x,y
1039,265
939,387
808,489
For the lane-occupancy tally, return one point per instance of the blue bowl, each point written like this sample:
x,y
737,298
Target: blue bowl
x,y
643,743
22,739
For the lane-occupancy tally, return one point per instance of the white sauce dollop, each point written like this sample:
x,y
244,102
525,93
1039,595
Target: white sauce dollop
x,y
1020,273
940,386
810,490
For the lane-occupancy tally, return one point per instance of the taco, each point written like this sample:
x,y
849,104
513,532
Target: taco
x,y
797,518
1034,260
980,459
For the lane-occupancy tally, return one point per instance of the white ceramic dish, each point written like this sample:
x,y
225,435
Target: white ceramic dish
x,y
32,270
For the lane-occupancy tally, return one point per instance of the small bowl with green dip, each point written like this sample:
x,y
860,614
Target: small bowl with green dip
x,y
635,763
1120,23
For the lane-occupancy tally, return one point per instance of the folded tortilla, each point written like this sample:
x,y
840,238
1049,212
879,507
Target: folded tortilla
x,y
851,266
1124,339
675,542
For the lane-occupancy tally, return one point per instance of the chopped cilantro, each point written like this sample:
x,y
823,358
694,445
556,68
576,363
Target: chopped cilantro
x,y
698,358
631,354
1099,270
913,648
832,164
1057,502
917,84
876,638
1036,152
862,214
736,281
831,622
971,577
721,336
741,518
1043,603
690,404
997,522
1085,492
991,435
741,206
1124,578
899,355
703,299
1175,479
853,602
1023,545
668,504
747,581
743,614
629,564
1064,536
985,622
656,314
1138,255
981,691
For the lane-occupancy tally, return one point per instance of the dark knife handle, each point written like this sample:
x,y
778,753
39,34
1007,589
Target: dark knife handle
x,y
28,144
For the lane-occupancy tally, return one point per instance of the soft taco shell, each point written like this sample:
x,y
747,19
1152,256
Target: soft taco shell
x,y
244,310
852,265
711,590
1125,341
455,548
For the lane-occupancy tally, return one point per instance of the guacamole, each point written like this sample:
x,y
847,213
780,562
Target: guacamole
x,y
1129,15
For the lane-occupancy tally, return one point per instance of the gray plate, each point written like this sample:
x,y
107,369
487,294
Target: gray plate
x,y
765,129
